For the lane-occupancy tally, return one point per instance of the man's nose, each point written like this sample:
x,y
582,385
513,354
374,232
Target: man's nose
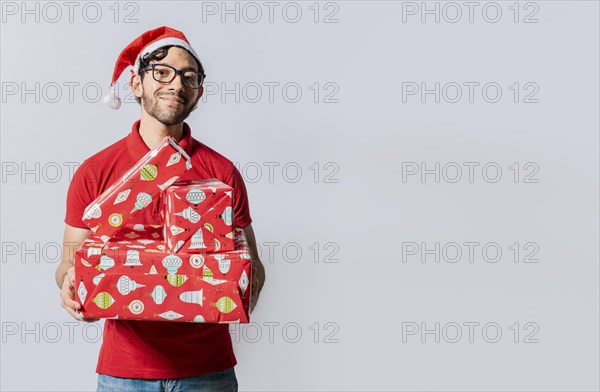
x,y
177,83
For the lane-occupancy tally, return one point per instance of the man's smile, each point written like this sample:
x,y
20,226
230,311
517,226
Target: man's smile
x,y
172,99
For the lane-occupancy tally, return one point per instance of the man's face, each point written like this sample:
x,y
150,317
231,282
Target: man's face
x,y
169,103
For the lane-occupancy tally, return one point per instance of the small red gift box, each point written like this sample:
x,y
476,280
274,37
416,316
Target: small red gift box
x,y
133,276
198,216
151,175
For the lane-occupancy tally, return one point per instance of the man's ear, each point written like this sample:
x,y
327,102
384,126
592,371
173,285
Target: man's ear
x,y
136,85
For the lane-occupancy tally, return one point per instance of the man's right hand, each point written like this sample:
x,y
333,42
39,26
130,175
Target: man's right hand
x,y
65,273
67,296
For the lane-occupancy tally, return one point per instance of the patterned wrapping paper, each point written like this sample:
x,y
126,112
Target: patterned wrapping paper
x,y
198,216
141,184
133,276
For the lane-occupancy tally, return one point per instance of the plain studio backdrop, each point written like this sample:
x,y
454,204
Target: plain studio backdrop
x,y
423,179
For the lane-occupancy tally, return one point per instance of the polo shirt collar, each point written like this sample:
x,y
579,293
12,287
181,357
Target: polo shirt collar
x,y
137,148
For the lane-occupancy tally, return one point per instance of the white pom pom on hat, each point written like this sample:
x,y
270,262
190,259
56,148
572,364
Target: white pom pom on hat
x,y
138,48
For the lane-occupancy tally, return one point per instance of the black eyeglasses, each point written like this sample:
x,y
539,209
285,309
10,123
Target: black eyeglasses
x,y
165,74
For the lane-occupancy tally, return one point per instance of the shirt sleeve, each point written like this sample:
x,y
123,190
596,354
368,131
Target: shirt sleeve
x,y
79,196
241,208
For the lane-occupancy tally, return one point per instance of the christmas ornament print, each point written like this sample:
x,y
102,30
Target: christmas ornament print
x,y
214,281
133,258
170,315
227,216
173,159
115,219
82,291
190,215
192,297
197,261
206,272
195,196
176,280
122,196
147,283
136,188
142,200
149,172
105,263
93,211
204,209
225,304
197,240
103,300
136,306
199,319
244,282
125,285
158,294
224,264
172,264
176,230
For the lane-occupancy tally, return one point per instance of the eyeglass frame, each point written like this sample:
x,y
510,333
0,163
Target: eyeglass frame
x,y
177,72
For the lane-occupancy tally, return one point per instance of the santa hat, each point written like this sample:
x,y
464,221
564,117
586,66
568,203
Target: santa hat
x,y
139,47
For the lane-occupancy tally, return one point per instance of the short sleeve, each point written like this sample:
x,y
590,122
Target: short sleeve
x,y
79,196
241,208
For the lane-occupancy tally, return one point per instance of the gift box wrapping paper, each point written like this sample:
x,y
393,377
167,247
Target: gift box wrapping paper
x,y
133,276
136,189
198,216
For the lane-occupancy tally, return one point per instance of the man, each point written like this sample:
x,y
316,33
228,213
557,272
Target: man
x,y
155,355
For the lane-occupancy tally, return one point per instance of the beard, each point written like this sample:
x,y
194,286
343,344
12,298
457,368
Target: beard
x,y
165,114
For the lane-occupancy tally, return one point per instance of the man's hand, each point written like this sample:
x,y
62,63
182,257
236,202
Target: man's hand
x,y
258,270
67,296
65,273
258,281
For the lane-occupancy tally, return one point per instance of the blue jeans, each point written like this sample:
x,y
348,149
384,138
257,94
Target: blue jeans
x,y
219,381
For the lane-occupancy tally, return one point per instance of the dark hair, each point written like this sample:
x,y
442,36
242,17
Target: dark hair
x,y
157,55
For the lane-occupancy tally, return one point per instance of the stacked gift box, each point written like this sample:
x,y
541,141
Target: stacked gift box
x,y
194,267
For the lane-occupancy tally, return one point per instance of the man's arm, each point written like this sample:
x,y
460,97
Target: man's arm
x,y
258,269
65,272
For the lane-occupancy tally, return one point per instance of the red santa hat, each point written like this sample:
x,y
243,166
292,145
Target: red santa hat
x,y
142,45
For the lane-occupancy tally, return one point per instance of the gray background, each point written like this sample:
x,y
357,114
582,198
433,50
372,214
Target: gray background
x,y
351,313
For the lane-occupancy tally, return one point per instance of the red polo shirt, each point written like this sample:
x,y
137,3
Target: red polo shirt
x,y
157,349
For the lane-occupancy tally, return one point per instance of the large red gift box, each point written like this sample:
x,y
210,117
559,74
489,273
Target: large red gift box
x,y
198,216
155,172
133,276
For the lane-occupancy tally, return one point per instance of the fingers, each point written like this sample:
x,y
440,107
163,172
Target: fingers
x,y
71,275
67,300
75,312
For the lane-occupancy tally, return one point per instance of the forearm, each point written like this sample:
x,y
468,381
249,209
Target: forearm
x,y
73,238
